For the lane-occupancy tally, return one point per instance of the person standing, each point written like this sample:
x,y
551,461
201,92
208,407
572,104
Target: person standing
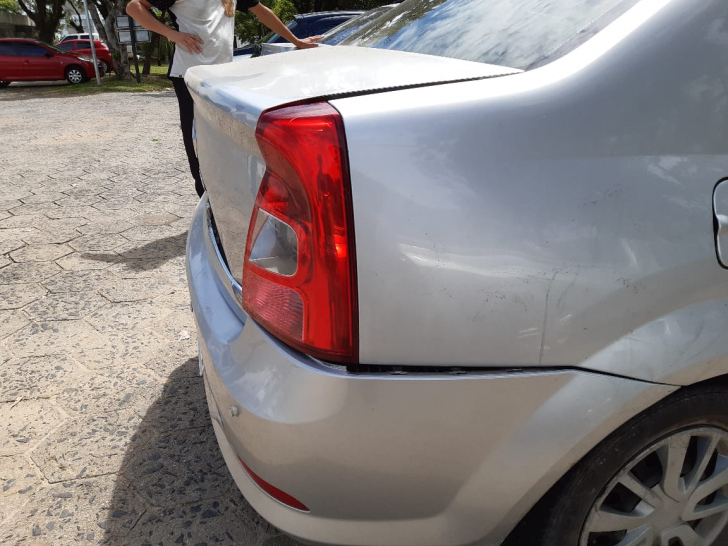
x,y
204,35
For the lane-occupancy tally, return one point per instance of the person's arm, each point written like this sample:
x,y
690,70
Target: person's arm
x,y
271,20
139,10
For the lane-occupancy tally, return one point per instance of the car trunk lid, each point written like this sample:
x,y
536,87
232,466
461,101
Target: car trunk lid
x,y
230,98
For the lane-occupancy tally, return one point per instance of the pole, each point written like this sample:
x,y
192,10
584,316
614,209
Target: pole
x,y
91,39
132,33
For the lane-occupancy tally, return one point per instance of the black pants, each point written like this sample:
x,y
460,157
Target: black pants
x,y
186,117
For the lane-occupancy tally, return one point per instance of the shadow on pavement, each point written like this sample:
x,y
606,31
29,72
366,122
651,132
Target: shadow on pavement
x,y
147,257
175,488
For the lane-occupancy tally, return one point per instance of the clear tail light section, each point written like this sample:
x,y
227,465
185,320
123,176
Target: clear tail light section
x,y
299,275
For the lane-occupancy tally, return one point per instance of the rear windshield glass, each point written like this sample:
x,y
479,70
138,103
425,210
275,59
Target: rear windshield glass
x,y
512,33
336,35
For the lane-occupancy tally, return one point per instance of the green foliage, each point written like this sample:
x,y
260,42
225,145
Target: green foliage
x,y
9,6
249,29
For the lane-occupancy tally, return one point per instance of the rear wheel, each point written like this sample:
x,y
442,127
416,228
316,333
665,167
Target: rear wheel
x,y
660,480
4,84
75,74
106,67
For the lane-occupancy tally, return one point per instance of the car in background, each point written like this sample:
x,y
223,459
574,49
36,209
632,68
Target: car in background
x,y
82,48
303,26
77,37
465,276
335,35
24,59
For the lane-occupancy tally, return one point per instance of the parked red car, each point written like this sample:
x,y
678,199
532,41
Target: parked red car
x,y
24,59
82,48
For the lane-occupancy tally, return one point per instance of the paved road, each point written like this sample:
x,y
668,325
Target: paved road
x,y
104,433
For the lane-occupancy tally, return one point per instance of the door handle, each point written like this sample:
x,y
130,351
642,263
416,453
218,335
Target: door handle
x,y
722,220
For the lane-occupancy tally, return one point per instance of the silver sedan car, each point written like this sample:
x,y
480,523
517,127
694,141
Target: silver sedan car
x,y
461,279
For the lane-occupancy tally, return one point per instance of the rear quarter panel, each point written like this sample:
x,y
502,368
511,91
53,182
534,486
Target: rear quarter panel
x,y
560,217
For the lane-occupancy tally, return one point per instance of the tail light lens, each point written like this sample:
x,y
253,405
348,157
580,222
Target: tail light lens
x,y
299,275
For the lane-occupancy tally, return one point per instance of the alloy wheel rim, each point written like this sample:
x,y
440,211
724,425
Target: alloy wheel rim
x,y
75,76
674,493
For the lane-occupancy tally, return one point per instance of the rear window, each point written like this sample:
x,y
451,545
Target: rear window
x,y
354,24
513,33
65,46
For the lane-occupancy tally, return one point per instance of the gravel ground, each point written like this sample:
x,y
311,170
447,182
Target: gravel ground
x,y
104,431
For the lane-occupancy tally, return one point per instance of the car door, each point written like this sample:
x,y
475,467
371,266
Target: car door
x,y
10,63
39,63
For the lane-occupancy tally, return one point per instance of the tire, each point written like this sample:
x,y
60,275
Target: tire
x,y
75,75
105,66
4,84
591,505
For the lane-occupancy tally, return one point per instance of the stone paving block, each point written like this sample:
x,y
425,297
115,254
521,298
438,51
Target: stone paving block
x,y
179,468
209,522
4,214
49,338
128,290
28,272
90,446
77,201
19,478
76,281
93,511
126,316
40,253
64,306
5,261
180,404
97,243
82,261
22,221
61,224
54,236
40,377
99,227
60,213
36,208
120,348
24,423
107,390
177,300
7,194
43,197
11,322
17,234
8,204
8,246
153,233
162,219
15,296
161,249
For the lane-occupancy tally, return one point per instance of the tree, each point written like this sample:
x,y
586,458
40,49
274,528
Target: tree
x,y
46,14
249,29
9,6
104,14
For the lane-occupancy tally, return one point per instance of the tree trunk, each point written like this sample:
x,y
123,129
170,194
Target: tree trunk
x,y
94,11
151,48
79,27
118,51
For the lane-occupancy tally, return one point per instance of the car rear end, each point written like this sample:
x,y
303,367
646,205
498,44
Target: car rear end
x,y
416,436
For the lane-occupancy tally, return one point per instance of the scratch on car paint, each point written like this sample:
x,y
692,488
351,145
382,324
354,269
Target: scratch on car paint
x,y
545,319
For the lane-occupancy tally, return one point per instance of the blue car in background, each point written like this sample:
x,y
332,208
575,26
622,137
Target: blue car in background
x,y
303,26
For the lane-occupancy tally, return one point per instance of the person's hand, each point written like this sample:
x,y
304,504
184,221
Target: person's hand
x,y
189,42
307,42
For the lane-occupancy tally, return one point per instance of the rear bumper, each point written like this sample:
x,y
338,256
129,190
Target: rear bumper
x,y
390,460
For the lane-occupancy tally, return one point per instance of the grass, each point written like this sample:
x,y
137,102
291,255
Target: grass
x,y
155,81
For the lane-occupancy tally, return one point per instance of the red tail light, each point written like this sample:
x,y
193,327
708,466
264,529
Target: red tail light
x,y
299,276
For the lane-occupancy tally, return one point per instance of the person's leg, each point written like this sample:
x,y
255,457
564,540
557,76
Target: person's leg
x,y
186,117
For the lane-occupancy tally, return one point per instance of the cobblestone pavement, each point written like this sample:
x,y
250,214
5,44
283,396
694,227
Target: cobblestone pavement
x,y
104,432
